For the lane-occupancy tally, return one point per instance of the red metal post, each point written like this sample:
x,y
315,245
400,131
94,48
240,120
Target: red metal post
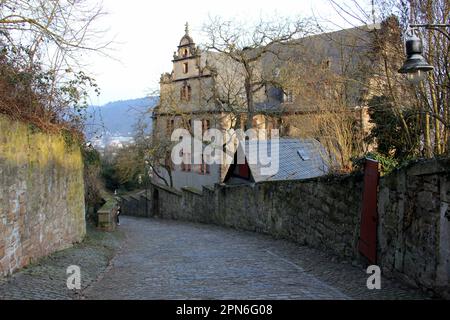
x,y
369,217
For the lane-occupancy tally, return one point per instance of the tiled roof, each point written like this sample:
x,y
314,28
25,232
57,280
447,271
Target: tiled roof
x,y
298,159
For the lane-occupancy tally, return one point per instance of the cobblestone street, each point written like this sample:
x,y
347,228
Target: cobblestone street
x,y
46,278
158,259
178,260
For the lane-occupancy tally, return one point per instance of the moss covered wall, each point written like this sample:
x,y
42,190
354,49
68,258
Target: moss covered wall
x,y
41,195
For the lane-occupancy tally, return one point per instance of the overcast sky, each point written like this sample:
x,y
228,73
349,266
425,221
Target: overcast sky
x,y
147,33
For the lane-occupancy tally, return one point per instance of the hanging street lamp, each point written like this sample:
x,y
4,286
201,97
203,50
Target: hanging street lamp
x,y
415,65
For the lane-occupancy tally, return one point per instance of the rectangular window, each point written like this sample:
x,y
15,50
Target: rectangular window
x,y
170,126
279,125
188,93
269,127
185,67
185,93
188,169
242,123
205,125
186,163
183,166
204,167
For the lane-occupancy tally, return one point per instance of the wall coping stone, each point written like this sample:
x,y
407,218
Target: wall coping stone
x,y
435,166
134,197
168,189
235,186
356,176
209,188
146,197
192,190
125,198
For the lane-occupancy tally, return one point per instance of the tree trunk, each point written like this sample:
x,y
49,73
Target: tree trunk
x,y
446,138
437,124
427,136
435,108
250,102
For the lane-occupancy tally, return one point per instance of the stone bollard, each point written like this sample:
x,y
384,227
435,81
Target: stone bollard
x,y
107,216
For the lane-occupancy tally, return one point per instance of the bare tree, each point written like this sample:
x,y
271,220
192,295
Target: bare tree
x,y
152,150
325,110
427,102
41,42
245,46
433,94
61,27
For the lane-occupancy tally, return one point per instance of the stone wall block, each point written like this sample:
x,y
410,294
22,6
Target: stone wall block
x,y
41,195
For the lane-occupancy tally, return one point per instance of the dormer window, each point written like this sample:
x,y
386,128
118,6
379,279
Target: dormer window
x,y
185,67
303,154
288,96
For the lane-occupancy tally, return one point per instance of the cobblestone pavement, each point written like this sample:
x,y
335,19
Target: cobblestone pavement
x,y
178,260
46,279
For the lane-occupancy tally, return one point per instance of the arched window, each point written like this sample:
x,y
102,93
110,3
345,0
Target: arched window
x,y
185,52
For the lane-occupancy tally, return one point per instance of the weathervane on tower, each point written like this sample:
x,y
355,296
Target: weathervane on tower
x,y
186,29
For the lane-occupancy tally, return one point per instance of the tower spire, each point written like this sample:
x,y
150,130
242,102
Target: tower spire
x,y
186,28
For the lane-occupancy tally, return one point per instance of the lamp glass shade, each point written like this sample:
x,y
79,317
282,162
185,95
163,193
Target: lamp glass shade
x,y
415,65
417,77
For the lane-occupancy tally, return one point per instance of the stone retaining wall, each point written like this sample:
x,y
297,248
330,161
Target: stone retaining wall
x,y
413,226
41,195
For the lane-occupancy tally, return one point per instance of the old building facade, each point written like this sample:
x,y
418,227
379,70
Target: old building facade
x,y
193,91
184,101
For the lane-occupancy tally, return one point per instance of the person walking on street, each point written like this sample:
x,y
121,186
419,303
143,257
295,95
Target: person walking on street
x,y
119,211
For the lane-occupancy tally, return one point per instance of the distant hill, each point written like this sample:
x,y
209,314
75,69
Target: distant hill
x,y
117,118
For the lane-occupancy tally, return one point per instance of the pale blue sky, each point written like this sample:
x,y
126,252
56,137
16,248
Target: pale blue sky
x,y
147,33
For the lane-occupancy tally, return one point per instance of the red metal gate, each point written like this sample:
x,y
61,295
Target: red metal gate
x,y
369,218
